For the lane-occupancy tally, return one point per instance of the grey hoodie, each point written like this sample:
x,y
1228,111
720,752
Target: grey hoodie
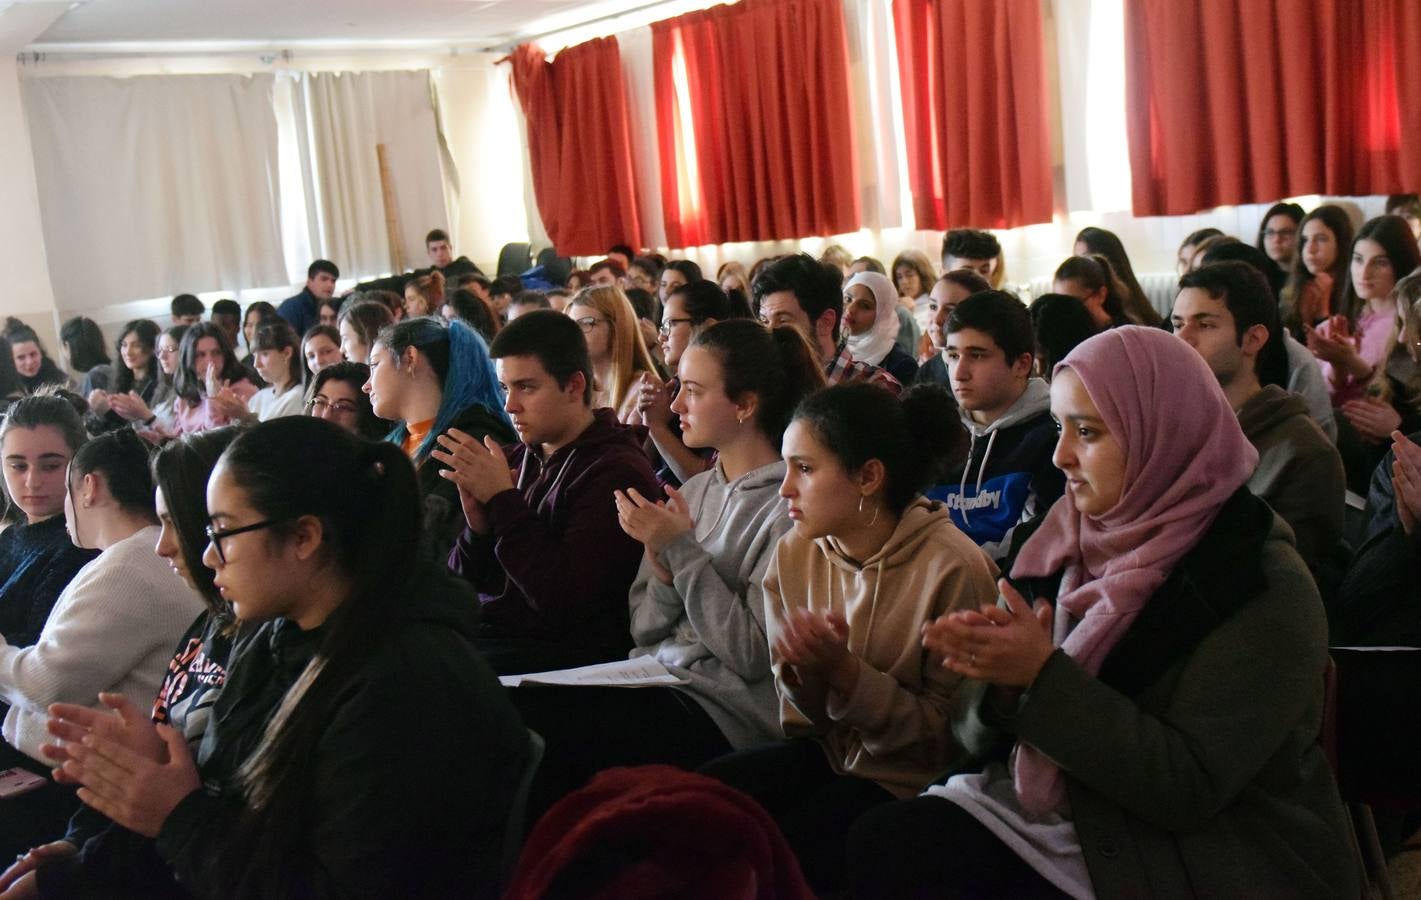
x,y
709,624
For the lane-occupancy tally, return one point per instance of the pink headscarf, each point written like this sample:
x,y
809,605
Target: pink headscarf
x,y
1185,455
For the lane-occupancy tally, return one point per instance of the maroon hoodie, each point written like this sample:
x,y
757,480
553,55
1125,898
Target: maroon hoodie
x,y
557,566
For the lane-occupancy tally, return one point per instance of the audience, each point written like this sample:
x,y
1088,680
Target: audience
x,y
502,292
1408,206
112,629
137,370
155,412
548,498
1061,323
1007,476
952,288
186,309
1091,279
868,563
527,301
913,278
430,378
1318,281
227,315
328,312
966,248
1278,240
253,317
207,368
644,273
1226,312
424,295
280,367
608,273
799,292
81,346
303,310
32,364
1105,243
337,395
1188,247
614,341
871,321
475,313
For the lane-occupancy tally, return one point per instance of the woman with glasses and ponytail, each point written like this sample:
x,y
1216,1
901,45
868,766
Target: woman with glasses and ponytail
x,y
310,780
428,376
112,630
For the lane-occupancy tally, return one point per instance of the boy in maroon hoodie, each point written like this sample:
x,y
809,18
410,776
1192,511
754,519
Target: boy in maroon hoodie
x,y
542,544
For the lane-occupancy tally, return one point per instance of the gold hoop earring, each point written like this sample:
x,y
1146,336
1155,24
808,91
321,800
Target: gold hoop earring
x,y
873,520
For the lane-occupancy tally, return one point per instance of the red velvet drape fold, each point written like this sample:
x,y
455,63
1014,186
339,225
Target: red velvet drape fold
x,y
1247,101
579,145
754,123
975,112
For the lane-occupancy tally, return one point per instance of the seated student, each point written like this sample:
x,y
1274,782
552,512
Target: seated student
x,y
621,254
337,395
1165,717
1091,280
614,341
527,301
442,261
301,310
1226,311
112,629
38,437
799,292
156,411
1007,476
607,273
1278,241
358,325
227,315
690,309
254,316
1408,206
871,320
542,544
502,292
674,274
868,564
475,283
1184,257
1106,243
913,277
206,368
428,377
951,289
320,347
424,294
476,313
280,367
697,605
731,276
578,279
1304,374
1317,285
648,319
644,273
1061,323
186,309
353,641
968,248
81,346
328,311
136,370
96,857
32,363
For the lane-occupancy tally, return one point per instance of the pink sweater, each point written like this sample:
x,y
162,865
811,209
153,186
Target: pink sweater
x,y
191,418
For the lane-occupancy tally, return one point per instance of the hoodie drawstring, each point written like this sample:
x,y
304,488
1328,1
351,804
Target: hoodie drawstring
x,y
981,470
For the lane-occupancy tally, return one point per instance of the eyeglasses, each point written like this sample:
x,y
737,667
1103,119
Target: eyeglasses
x,y
216,537
587,323
669,324
319,404
167,351
1280,232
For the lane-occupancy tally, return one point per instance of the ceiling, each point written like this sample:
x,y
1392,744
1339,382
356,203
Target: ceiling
x,y
188,25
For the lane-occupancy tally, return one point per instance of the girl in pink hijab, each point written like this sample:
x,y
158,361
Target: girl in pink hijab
x,y
1148,725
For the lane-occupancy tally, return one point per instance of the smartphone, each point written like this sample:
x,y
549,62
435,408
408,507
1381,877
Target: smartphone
x,y
14,782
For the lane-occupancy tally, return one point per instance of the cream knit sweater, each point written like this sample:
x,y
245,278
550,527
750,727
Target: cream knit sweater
x,y
114,628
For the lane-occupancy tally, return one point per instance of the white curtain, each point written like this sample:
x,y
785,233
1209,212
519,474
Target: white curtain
x,y
878,109
639,83
155,185
343,117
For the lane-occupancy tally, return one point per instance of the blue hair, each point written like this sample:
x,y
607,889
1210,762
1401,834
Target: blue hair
x,y
468,377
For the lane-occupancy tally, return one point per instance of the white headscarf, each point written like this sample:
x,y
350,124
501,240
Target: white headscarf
x,y
873,345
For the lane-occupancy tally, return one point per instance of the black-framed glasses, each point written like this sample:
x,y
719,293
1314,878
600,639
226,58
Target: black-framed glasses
x,y
587,323
319,404
669,324
217,536
1280,232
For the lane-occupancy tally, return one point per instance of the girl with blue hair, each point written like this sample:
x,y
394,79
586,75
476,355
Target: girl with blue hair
x,y
428,377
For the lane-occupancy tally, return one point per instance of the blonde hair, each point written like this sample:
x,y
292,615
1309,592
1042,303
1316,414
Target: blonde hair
x,y
629,354
736,269
918,261
837,255
430,289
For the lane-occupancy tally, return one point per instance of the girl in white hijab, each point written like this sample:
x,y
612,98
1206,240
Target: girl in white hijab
x,y
870,325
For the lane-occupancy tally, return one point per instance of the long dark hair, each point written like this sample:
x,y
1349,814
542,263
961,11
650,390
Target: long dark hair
x,y
19,333
1340,224
1095,272
180,470
778,367
355,375
366,497
124,378
85,342
914,436
1137,305
1397,241
276,334
187,381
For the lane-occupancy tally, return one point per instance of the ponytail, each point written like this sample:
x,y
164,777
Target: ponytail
x,y
777,366
122,458
914,436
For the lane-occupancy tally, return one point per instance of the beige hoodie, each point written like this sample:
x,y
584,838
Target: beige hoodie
x,y
893,728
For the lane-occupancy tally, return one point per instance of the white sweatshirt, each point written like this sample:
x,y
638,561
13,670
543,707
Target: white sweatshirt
x,y
114,628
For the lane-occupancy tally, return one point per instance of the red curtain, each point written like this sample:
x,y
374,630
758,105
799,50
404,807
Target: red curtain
x,y
975,112
1246,101
579,145
755,123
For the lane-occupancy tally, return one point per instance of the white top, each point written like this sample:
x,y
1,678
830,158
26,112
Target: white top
x,y
268,405
114,628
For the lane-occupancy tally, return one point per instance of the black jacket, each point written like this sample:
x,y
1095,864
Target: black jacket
x,y
443,514
411,783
